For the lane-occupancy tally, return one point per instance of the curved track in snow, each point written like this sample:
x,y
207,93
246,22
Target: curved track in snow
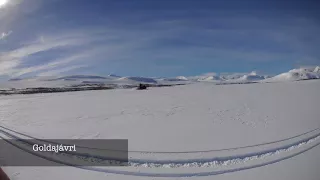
x,y
227,164
172,152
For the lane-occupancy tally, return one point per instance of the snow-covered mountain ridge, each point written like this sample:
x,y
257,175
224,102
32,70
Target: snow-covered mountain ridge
x,y
253,77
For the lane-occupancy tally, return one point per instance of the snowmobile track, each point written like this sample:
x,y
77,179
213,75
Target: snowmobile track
x,y
300,146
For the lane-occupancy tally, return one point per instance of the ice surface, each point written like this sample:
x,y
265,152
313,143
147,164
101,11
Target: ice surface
x,y
195,117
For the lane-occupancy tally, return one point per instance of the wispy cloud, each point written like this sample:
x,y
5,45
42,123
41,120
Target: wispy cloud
x,y
145,43
61,70
15,72
11,62
4,35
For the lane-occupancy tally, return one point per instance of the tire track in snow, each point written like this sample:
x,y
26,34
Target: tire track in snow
x,y
200,174
225,161
175,152
183,175
205,162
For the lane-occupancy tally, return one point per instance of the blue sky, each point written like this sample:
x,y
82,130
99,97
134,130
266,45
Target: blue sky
x,y
156,38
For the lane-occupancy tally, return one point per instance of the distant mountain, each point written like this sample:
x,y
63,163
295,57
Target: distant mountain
x,y
138,79
209,78
182,78
298,74
15,79
229,78
179,78
253,76
113,75
232,76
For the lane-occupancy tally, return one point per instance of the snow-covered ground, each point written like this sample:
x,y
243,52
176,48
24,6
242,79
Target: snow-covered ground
x,y
202,130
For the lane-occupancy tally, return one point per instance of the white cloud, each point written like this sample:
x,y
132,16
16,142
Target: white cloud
x,y
6,67
61,70
41,46
54,64
144,45
4,35
11,60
